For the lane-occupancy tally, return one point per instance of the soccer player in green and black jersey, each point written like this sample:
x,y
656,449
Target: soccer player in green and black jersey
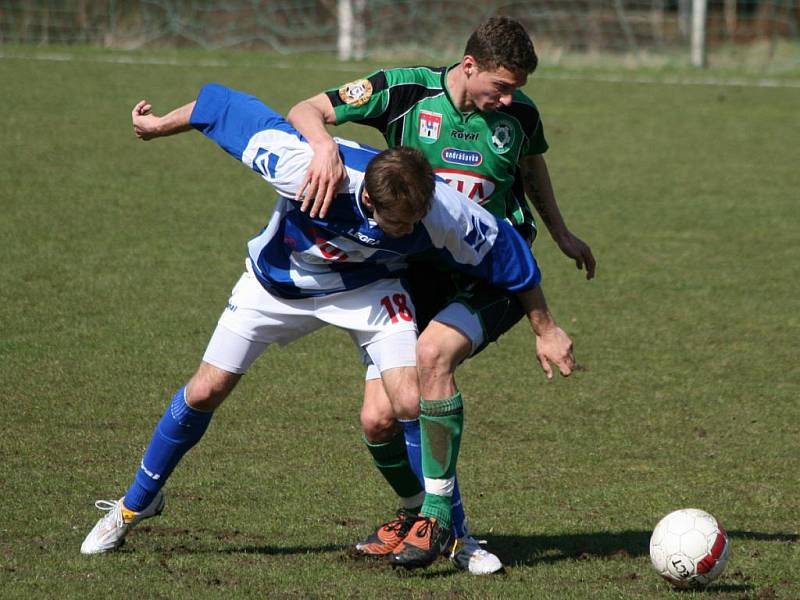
x,y
485,137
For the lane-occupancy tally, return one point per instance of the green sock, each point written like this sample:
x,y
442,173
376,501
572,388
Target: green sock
x,y
391,459
440,422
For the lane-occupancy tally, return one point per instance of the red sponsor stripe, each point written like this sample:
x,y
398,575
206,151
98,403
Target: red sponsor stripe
x,y
709,560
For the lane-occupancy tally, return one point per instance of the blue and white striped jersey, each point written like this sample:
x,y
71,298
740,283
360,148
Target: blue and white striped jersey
x,y
296,256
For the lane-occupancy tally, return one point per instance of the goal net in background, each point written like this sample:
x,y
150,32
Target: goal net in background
x,y
638,30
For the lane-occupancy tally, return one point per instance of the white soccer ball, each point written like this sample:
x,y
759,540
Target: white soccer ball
x,y
689,548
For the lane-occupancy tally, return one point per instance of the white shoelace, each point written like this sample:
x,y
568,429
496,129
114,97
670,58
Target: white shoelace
x,y
113,510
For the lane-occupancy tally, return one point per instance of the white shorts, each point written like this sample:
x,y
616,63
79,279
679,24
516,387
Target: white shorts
x,y
378,317
454,314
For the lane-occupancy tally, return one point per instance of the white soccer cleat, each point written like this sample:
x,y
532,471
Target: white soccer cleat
x,y
110,531
468,555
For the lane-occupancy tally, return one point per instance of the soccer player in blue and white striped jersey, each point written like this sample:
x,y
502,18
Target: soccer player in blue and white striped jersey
x,y
303,273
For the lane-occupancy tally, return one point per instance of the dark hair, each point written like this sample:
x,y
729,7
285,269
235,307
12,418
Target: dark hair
x,y
502,42
400,181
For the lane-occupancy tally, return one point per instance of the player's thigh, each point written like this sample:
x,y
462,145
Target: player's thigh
x,y
393,359
442,347
378,418
260,319
402,389
482,313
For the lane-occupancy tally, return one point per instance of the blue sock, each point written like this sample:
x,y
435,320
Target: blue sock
x,y
414,447
179,429
458,516
414,450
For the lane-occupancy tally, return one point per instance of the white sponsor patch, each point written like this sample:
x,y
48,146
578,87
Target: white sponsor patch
x,y
473,186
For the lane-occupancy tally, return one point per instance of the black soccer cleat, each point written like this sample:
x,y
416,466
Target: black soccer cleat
x,y
424,543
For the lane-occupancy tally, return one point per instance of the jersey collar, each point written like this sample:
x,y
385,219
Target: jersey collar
x,y
362,210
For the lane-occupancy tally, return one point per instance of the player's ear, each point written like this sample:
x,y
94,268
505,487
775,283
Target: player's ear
x,y
366,201
468,65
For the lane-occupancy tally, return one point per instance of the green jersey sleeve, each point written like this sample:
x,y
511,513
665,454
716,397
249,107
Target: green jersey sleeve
x,y
537,144
527,113
385,96
361,101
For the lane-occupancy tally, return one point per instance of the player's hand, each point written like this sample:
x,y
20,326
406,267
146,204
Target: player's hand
x,y
579,251
321,181
144,122
555,346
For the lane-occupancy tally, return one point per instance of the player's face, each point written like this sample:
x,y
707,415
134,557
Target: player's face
x,y
396,223
492,90
393,225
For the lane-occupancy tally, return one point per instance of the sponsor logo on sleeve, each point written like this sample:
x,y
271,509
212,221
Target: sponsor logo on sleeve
x,y
502,137
356,92
430,124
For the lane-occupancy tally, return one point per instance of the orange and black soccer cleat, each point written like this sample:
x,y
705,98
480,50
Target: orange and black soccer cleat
x,y
423,544
387,537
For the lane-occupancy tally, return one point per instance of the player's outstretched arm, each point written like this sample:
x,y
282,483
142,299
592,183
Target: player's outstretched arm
x,y
553,345
326,170
147,126
539,190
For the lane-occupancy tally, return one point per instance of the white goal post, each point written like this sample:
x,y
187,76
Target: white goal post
x,y
352,39
699,14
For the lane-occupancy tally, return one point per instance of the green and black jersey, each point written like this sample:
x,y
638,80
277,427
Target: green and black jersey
x,y
476,152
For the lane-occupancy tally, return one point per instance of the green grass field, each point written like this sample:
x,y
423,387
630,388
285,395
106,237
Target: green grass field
x,y
118,256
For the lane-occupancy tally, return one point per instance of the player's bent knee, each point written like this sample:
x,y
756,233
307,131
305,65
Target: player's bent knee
x,y
209,386
433,355
429,355
379,428
378,420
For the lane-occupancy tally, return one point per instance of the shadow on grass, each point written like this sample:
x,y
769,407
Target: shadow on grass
x,y
528,550
284,550
537,549
199,541
513,550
